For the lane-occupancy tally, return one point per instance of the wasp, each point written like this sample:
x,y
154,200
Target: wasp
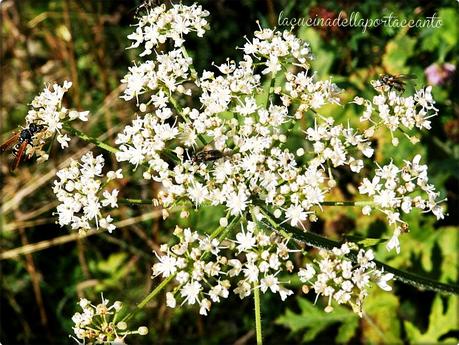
x,y
20,140
396,82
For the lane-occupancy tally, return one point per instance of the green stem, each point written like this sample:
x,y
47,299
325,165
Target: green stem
x,y
221,232
256,297
134,201
86,137
268,91
194,74
147,299
315,240
178,108
228,228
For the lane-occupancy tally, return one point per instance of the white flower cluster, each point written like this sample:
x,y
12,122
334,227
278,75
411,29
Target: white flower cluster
x,y
308,93
168,72
47,111
160,24
392,110
265,257
335,276
278,48
338,144
98,324
204,273
396,190
250,158
78,190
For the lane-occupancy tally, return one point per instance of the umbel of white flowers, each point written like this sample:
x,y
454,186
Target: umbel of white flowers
x,y
247,117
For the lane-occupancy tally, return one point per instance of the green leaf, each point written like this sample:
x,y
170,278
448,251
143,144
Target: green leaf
x,y
381,324
366,242
441,321
445,37
447,241
347,330
113,263
112,271
323,55
314,320
398,51
263,97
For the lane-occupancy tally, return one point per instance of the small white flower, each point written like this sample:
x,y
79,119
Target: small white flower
x,y
63,140
382,282
393,243
245,241
110,198
306,274
269,282
166,266
170,300
191,292
296,214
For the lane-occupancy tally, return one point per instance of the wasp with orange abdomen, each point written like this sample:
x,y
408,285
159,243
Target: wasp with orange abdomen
x,y
19,141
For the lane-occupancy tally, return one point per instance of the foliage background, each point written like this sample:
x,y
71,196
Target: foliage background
x,y
44,270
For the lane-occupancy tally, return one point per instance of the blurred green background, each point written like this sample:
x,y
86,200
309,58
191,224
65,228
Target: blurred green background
x,y
44,270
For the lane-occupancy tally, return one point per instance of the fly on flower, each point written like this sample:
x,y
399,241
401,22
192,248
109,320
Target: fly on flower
x,y
209,155
396,82
21,140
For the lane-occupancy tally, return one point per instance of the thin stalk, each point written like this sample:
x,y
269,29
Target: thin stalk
x,y
256,298
87,138
134,201
228,228
347,203
178,108
147,299
221,232
194,74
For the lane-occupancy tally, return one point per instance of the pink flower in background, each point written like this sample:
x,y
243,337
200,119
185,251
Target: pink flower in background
x,y
439,74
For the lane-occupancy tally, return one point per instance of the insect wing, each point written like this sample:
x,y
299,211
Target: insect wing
x,y
407,76
19,155
8,143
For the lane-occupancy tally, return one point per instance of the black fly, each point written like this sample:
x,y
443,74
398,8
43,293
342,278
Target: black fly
x,y
396,82
207,156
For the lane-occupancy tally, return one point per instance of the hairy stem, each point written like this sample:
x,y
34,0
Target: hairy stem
x,y
347,203
87,138
256,297
194,74
149,297
179,110
134,201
